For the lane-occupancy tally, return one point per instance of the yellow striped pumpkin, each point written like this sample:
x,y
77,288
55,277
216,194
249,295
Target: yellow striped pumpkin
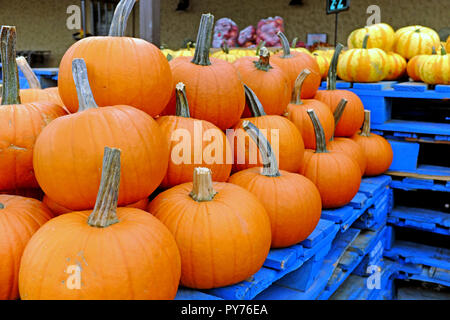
x,y
381,36
396,66
414,40
435,69
447,44
324,64
413,66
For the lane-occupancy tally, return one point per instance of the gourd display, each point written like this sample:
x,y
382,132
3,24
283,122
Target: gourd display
x,y
191,143
337,176
20,218
382,36
20,122
292,201
68,153
123,70
435,69
107,253
353,116
281,133
396,66
413,65
213,88
296,112
222,230
377,149
414,40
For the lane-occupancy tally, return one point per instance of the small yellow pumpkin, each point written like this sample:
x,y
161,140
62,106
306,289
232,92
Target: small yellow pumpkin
x,y
381,36
414,40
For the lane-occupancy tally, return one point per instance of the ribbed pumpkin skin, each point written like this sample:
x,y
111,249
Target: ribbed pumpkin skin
x,y
68,155
378,153
215,93
20,125
39,95
292,202
447,44
221,242
382,36
396,66
181,173
19,219
291,146
136,258
273,87
297,114
122,71
410,43
413,66
435,69
324,64
362,65
351,149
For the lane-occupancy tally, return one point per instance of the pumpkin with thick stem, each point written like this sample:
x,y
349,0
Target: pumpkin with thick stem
x,y
377,149
382,36
337,176
293,63
296,112
413,66
415,40
282,134
292,202
435,69
353,116
268,81
222,230
213,87
20,122
191,143
396,66
105,253
68,154
123,70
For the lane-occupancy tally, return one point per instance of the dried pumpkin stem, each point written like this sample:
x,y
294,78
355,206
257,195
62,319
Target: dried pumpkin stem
x,y
202,186
337,114
120,18
10,74
365,132
204,38
296,93
80,77
264,60
294,42
2,206
270,165
224,47
256,108
366,39
321,144
332,71
182,106
259,46
284,45
105,210
29,74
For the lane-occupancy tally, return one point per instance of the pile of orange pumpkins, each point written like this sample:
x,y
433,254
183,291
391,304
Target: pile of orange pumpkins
x,y
125,126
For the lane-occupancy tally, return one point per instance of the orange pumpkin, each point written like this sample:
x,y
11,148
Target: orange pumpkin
x,y
396,66
378,151
435,69
382,36
415,40
413,66
68,153
292,202
222,230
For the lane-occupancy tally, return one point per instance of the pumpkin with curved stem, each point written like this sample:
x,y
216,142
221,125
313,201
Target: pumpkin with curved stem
x,y
268,81
106,253
293,63
20,122
382,36
435,69
292,201
222,230
281,133
324,64
396,66
415,40
20,218
337,176
377,149
68,153
199,141
130,72
296,112
413,66
353,116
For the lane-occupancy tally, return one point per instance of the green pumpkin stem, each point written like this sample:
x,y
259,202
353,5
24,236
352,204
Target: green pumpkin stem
x,y
284,45
2,206
366,39
10,74
169,57
263,63
337,114
105,210
321,144
259,46
294,42
29,74
253,102
80,77
182,105
270,165
204,38
365,132
225,47
433,50
202,186
443,52
332,71
120,18
296,93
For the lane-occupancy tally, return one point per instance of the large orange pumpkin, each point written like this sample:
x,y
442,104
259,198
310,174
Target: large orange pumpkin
x,y
123,70
107,253
435,69
413,66
68,154
414,40
396,66
382,36
292,201
19,218
222,230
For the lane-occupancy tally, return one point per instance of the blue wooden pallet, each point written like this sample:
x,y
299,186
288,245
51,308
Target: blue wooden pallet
x,y
421,219
410,183
430,137
376,215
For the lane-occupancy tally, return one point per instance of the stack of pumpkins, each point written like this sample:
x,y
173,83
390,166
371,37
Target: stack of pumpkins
x,y
138,126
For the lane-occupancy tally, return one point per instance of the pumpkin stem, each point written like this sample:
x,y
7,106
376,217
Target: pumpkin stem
x,y
443,52
366,39
224,47
10,74
332,71
365,132
2,206
169,57
264,60
182,106
80,77
259,46
253,102
284,45
321,144
105,210
270,166
204,38
202,186
433,50
31,77
296,94
120,18
337,114
294,42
